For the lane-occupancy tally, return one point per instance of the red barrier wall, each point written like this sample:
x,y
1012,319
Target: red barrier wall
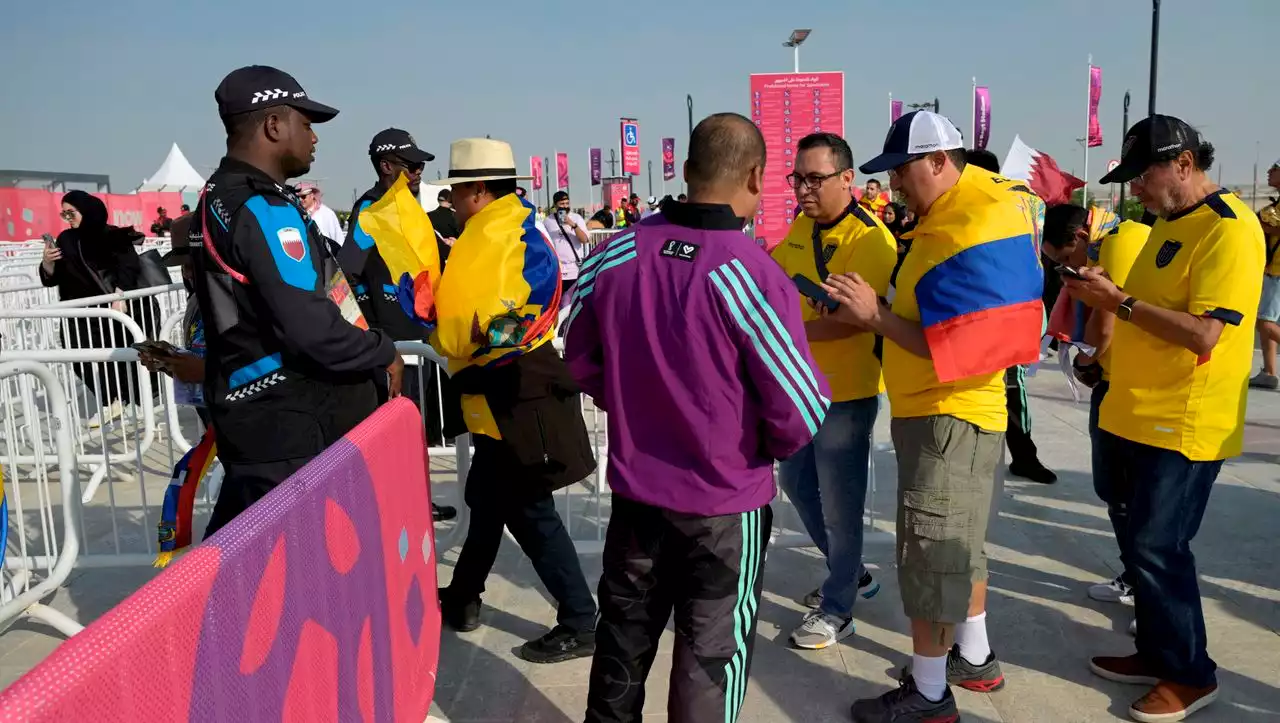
x,y
26,213
318,604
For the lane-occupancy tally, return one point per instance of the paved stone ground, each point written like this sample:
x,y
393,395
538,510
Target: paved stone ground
x,y
1045,547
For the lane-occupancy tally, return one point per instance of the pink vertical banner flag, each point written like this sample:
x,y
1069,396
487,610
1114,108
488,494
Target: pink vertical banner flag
x,y
595,166
895,110
668,159
535,170
981,116
562,171
1095,97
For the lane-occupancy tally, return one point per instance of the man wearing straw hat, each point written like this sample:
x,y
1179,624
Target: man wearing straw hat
x,y
496,308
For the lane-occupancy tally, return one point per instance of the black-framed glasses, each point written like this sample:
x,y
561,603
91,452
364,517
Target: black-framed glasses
x,y
68,215
918,157
812,182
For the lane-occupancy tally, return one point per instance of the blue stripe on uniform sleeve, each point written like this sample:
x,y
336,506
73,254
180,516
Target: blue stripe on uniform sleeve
x,y
358,234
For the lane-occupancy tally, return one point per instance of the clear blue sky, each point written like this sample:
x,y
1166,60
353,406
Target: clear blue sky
x,y
105,87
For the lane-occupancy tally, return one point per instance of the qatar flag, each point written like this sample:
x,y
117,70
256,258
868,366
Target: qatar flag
x,y
1053,185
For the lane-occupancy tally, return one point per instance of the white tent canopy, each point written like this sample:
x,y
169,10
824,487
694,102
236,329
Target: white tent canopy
x,y
175,174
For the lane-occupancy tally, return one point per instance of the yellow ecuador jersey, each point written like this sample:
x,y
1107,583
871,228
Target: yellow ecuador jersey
x,y
857,242
1206,261
973,281
1115,253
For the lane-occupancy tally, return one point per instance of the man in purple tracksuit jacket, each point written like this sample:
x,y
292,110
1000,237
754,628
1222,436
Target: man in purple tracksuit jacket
x,y
689,336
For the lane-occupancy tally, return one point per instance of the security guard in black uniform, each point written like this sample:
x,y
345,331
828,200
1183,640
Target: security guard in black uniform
x,y
393,152
290,369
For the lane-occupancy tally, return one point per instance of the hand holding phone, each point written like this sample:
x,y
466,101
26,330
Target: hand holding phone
x,y
155,348
1069,272
811,290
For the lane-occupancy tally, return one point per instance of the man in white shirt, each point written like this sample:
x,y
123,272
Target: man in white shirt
x,y
568,233
326,220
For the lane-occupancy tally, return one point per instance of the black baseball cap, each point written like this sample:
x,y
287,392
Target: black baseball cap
x,y
394,140
1152,140
560,196
255,87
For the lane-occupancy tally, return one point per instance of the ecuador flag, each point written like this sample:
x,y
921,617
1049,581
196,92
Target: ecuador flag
x,y
407,244
499,296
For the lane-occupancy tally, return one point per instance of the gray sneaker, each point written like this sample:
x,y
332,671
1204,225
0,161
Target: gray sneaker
x,y
1265,381
820,630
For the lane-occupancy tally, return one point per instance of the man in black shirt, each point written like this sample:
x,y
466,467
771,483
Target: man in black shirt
x,y
445,221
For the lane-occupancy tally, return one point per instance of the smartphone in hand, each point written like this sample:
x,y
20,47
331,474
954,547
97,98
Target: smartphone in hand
x,y
1068,272
155,348
811,290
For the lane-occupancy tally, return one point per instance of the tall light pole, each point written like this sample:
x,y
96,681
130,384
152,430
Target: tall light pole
x,y
1123,186
688,100
1155,56
650,177
798,37
613,162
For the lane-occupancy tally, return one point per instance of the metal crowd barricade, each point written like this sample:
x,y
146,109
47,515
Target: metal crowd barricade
x,y
27,578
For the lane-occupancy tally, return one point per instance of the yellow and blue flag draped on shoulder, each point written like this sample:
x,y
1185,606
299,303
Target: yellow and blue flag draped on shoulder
x,y
406,242
498,298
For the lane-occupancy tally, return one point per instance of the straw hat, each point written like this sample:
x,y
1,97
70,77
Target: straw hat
x,y
480,159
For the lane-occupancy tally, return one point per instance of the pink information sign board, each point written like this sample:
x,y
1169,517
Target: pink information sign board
x,y
787,107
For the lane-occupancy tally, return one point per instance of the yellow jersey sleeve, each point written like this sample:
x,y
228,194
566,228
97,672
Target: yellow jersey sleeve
x,y
1120,248
1231,252
879,255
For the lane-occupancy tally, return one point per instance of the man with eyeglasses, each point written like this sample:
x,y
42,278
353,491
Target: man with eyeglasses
x,y
966,307
1180,359
827,480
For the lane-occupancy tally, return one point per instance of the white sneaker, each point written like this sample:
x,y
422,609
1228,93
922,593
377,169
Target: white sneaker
x,y
1133,628
820,630
1115,591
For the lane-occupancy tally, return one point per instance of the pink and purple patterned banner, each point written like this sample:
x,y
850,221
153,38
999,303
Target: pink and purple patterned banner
x,y
562,171
981,116
1095,97
668,159
895,110
595,166
316,604
535,170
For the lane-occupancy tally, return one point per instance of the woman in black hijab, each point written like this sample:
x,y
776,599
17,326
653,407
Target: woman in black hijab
x,y
92,259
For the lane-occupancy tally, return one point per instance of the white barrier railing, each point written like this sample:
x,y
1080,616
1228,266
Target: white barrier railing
x,y
22,588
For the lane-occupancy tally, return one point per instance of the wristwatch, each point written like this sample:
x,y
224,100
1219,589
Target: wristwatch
x,y
1125,310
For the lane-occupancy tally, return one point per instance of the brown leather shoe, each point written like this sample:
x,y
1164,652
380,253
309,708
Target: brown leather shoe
x,y
1129,669
1171,701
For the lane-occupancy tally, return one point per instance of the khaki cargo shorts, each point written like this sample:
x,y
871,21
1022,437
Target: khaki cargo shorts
x,y
946,478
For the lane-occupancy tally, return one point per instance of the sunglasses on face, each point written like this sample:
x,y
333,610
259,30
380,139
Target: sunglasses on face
x,y
410,167
68,215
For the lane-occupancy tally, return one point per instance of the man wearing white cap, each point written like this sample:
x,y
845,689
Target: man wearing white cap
x,y
496,309
967,307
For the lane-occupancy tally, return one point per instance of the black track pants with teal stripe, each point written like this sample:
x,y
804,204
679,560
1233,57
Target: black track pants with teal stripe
x,y
705,570
1022,451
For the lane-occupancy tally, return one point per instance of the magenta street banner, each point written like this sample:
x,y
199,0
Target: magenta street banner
x,y
668,159
787,107
981,116
562,171
595,166
1095,97
535,170
895,110
629,132
316,604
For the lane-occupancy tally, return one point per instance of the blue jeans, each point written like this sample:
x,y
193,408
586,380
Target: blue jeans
x,y
1166,504
827,483
1111,487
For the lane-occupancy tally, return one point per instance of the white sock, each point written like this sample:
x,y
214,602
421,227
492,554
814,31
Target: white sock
x,y
930,675
972,638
